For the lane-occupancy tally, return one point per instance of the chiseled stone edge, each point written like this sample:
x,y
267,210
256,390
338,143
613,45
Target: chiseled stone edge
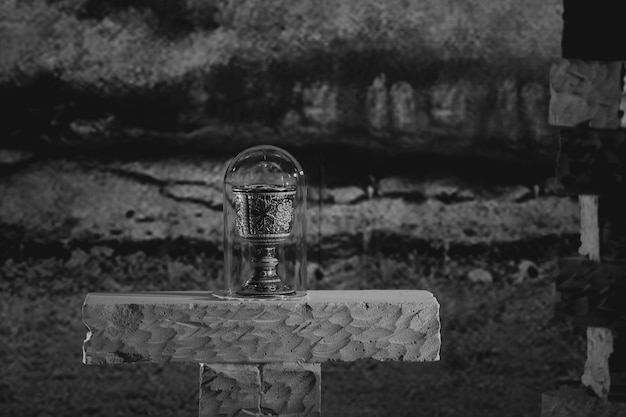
x,y
199,327
597,374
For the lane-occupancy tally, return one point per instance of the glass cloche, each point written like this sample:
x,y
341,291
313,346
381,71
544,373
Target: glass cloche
x,y
265,224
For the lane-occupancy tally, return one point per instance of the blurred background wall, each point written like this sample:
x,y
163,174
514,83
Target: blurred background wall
x,y
422,126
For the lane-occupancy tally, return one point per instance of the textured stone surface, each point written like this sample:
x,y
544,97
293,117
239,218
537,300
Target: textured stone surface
x,y
223,75
579,403
280,389
585,93
201,327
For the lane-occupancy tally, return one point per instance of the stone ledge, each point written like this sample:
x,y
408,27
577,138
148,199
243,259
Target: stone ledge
x,y
201,327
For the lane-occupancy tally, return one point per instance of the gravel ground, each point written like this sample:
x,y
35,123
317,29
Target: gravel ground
x,y
501,346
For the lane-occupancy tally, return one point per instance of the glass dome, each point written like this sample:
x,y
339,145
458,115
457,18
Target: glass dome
x,y
265,224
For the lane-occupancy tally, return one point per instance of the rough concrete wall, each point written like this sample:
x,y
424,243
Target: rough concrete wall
x,y
422,127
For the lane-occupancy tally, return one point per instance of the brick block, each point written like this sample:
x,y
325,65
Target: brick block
x,y
585,93
203,327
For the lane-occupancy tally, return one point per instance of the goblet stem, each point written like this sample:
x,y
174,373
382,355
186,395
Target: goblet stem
x,y
265,280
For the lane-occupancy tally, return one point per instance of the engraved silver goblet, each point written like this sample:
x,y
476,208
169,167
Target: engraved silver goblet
x,y
264,217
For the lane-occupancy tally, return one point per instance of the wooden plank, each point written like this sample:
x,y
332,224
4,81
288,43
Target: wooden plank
x,y
579,403
597,374
617,362
585,93
589,227
612,217
591,293
622,104
612,222
591,162
205,327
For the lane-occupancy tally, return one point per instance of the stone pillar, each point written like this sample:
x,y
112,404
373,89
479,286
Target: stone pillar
x,y
285,389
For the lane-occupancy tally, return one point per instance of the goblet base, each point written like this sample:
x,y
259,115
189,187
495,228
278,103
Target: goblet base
x,y
260,289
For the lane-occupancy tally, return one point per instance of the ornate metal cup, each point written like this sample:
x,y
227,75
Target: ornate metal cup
x,y
264,218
